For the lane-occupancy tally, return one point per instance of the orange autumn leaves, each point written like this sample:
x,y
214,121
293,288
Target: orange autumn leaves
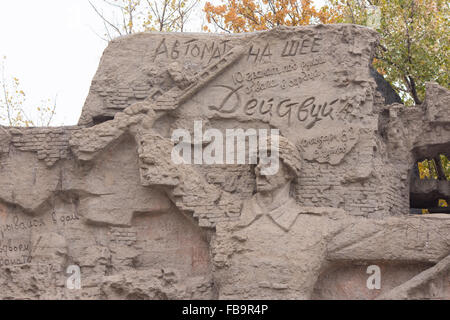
x,y
254,15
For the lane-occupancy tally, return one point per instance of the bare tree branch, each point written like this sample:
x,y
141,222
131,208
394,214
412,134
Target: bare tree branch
x,y
53,111
104,19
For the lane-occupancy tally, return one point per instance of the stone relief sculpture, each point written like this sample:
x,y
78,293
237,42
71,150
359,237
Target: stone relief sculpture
x,y
107,196
277,248
273,198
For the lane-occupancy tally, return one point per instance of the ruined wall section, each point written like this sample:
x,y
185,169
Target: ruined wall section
x,y
414,133
342,164
131,69
110,199
129,241
346,161
50,144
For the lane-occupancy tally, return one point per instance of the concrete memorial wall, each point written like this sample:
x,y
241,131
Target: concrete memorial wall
x,y
110,209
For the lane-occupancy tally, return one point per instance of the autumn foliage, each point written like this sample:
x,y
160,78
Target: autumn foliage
x,y
254,15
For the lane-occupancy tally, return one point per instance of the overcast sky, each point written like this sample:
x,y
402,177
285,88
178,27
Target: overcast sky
x,y
52,48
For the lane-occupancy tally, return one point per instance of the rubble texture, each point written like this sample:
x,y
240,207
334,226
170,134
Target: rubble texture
x,y
106,195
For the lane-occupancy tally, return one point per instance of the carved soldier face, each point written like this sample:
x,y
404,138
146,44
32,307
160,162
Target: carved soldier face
x,y
270,183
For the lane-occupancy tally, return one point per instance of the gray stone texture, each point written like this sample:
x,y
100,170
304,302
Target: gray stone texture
x,y
106,195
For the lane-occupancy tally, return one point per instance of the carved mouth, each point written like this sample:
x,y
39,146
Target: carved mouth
x,y
261,183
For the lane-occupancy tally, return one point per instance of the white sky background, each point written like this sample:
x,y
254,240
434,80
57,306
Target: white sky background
x,y
52,48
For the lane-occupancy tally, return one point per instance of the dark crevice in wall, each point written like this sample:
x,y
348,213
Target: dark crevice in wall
x,y
100,119
430,180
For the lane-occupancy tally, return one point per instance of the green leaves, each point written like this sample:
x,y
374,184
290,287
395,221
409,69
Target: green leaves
x,y
428,169
445,166
415,35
